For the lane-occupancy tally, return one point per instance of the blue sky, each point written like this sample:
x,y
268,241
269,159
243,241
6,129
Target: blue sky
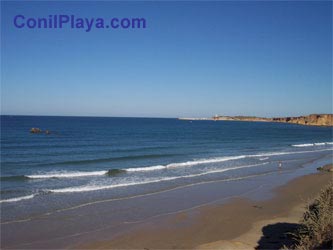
x,y
194,59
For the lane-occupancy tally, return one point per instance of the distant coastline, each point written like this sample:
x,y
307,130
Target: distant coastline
x,y
309,120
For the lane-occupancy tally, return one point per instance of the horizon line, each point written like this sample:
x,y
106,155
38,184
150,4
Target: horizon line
x,y
157,117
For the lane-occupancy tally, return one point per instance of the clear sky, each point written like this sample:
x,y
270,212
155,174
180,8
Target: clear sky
x,y
194,59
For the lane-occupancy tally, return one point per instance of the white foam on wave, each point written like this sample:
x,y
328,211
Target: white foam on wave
x,y
312,144
18,198
288,153
139,169
262,156
304,145
143,169
66,174
222,170
204,161
185,164
88,188
75,174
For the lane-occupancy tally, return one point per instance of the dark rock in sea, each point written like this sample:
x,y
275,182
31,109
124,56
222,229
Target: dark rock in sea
x,y
35,130
113,172
327,168
39,131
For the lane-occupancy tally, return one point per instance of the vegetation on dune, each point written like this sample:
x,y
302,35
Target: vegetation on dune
x,y
316,229
327,168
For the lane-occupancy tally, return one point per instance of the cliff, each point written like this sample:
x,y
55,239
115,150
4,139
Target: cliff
x,y
312,120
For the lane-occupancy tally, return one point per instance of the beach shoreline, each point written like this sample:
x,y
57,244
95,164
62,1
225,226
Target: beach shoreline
x,y
238,224
166,219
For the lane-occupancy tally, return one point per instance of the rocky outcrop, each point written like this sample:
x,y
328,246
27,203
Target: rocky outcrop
x,y
39,131
115,171
242,118
313,120
35,130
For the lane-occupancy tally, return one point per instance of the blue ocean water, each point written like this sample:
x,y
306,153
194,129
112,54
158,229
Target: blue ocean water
x,y
85,157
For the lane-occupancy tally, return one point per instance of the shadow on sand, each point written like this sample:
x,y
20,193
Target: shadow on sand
x,y
275,236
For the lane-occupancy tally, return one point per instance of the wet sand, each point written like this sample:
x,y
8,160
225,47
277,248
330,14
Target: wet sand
x,y
239,224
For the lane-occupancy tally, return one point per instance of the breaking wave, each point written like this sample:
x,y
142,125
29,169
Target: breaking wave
x,y
312,144
158,167
27,197
97,187
113,172
205,161
67,174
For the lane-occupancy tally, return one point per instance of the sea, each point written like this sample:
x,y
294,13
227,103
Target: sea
x,y
85,160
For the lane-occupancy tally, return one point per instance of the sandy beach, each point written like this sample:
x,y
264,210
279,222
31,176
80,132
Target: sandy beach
x,y
202,125
239,224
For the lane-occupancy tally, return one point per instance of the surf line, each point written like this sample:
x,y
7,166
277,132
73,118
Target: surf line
x,y
138,196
